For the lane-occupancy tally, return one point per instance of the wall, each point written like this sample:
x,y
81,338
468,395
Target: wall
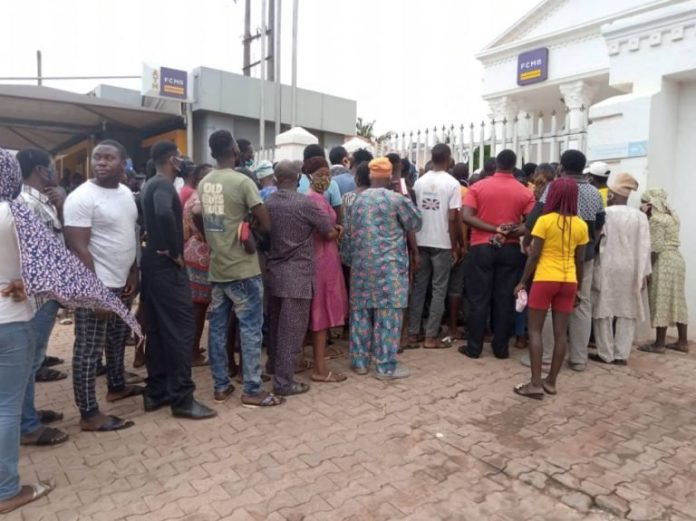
x,y
229,93
684,188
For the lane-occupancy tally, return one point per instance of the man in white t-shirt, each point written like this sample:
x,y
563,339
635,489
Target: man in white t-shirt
x,y
439,200
100,219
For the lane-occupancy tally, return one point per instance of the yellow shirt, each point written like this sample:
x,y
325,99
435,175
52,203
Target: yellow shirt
x,y
603,192
561,235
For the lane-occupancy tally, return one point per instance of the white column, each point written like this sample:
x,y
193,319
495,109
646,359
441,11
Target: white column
x,y
577,96
504,108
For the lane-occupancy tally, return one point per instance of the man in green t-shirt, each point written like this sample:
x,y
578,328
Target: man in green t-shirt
x,y
228,197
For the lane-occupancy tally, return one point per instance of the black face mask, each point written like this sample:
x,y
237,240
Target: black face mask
x,y
185,168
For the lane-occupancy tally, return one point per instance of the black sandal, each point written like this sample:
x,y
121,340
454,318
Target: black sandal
x,y
50,361
45,374
296,388
262,399
48,436
523,390
112,423
47,416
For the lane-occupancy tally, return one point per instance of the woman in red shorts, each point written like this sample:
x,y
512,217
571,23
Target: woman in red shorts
x,y
555,260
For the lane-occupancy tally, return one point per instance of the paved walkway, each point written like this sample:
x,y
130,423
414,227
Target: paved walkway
x,y
450,443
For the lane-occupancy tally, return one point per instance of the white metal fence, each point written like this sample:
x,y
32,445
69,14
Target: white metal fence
x,y
533,137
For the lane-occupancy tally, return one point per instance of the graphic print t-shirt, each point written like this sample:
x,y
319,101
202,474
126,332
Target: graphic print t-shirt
x,y
227,196
436,194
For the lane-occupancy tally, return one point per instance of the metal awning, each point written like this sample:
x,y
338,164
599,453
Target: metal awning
x,y
44,117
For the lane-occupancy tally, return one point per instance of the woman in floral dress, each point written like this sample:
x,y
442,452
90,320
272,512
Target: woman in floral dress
x,y
666,292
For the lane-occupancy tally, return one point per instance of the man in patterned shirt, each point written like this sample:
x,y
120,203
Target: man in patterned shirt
x,y
290,275
591,210
43,197
376,246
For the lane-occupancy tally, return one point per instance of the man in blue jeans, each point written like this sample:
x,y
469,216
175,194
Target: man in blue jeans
x,y
41,194
228,198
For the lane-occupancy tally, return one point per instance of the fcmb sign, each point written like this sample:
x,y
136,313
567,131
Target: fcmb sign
x,y
164,82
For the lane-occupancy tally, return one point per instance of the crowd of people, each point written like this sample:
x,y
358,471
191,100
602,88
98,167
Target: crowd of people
x,y
281,255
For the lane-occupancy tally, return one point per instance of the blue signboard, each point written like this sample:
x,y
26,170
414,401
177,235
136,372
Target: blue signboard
x,y
173,83
533,66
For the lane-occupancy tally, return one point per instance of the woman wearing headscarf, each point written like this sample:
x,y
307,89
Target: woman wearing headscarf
x,y
32,263
330,301
666,290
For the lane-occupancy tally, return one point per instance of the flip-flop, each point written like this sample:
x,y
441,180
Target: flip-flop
x,y
331,377
46,374
66,322
38,490
112,423
48,436
548,390
521,389
50,361
47,416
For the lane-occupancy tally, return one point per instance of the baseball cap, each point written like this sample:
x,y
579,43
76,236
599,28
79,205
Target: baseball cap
x,y
598,169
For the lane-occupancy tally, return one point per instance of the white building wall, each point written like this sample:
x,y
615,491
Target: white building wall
x,y
654,53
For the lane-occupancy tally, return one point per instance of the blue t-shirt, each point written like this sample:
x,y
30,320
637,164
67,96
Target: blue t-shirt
x,y
333,194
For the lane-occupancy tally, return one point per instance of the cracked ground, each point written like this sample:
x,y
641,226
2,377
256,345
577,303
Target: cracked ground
x,y
450,443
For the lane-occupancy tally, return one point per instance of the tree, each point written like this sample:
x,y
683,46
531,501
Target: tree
x,y
365,129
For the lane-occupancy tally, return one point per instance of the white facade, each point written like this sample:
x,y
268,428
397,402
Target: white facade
x,y
624,73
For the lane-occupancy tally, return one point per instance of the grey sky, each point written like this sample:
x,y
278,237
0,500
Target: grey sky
x,y
408,63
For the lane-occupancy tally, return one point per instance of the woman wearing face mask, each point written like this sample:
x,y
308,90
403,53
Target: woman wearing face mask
x,y
330,302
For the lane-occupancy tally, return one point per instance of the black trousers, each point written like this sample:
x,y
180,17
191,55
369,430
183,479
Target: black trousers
x,y
491,280
169,330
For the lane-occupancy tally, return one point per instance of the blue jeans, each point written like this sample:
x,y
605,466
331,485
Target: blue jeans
x,y
16,355
246,298
43,323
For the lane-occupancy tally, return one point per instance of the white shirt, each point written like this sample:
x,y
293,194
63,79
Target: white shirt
x,y
437,193
112,215
11,311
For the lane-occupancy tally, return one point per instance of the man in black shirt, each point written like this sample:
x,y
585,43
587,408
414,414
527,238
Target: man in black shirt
x,y
169,319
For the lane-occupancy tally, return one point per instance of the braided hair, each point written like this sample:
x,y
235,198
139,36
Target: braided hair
x,y
562,199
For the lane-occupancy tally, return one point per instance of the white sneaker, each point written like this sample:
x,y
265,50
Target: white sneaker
x,y
401,371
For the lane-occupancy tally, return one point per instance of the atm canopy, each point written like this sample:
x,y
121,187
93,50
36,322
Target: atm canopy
x,y
52,119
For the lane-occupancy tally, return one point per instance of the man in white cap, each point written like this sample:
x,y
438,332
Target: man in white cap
x,y
264,174
599,175
621,270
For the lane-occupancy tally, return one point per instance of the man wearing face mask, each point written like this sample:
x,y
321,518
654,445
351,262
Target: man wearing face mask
x,y
169,318
290,275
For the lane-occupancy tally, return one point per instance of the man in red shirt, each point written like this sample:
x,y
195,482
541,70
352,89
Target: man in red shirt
x,y
494,209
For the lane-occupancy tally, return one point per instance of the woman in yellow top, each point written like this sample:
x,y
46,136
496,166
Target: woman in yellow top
x,y
556,259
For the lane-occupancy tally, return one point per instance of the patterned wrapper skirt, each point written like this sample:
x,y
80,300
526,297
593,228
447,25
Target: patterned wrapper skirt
x,y
197,262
